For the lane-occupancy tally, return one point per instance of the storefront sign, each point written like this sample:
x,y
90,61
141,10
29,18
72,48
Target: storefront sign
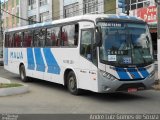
x,y
148,14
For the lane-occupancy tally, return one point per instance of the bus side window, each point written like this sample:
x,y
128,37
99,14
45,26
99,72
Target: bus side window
x,y
69,35
86,40
76,34
28,37
6,40
18,38
11,40
52,36
39,37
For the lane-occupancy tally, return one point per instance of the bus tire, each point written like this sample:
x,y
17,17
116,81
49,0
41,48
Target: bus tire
x,y
22,74
72,84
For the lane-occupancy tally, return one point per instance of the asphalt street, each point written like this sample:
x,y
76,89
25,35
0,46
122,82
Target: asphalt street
x,y
49,98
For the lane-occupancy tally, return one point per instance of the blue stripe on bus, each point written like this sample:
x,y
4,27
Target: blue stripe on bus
x,y
122,73
134,73
31,64
53,66
39,60
6,56
144,72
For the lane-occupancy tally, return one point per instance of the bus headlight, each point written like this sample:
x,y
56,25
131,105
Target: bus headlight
x,y
108,75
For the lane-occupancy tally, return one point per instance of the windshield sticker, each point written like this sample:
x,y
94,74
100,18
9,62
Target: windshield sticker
x,y
127,60
112,58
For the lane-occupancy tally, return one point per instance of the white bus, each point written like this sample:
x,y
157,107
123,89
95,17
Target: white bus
x,y
100,53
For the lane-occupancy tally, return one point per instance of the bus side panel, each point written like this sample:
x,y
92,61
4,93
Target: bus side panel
x,y
16,56
35,66
50,64
53,64
87,74
59,61
13,58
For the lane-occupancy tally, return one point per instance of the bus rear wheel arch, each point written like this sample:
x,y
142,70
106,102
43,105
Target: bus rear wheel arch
x,y
22,73
71,83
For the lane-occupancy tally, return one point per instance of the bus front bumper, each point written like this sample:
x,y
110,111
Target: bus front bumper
x,y
110,86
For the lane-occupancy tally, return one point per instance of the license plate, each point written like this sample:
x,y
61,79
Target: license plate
x,y
132,89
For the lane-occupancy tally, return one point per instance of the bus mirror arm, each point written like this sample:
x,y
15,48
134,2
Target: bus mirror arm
x,y
98,36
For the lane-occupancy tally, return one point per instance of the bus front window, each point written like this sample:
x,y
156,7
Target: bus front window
x,y
125,44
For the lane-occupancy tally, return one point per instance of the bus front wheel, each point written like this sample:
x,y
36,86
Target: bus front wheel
x,y
72,84
22,73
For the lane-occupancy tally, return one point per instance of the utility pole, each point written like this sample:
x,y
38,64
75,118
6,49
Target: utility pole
x,y
158,35
128,8
1,33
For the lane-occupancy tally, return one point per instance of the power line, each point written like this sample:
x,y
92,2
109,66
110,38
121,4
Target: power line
x,y
1,33
29,20
19,17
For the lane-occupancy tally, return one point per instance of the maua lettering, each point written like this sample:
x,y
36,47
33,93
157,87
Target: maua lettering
x,y
16,55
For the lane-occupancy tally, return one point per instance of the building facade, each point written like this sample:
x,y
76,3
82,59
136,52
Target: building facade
x,y
69,8
13,8
131,5
23,12
55,9
39,11
149,14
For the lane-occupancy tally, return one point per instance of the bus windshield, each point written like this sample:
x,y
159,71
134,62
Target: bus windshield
x,y
125,44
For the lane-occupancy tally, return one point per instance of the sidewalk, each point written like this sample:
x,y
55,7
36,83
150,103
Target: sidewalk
x,y
157,86
12,90
4,80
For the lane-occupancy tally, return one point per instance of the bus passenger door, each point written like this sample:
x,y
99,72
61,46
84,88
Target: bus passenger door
x,y
87,73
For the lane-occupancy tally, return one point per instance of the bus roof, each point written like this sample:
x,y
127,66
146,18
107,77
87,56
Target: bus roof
x,y
91,17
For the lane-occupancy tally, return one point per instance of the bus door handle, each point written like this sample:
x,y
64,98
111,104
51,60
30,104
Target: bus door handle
x,y
83,71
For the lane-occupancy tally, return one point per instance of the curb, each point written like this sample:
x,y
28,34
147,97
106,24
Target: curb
x,y
14,90
4,80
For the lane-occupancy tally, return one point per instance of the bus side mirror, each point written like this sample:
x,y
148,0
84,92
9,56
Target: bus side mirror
x,y
98,36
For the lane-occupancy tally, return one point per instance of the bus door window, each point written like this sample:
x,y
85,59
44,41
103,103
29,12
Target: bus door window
x,y
86,41
94,51
69,35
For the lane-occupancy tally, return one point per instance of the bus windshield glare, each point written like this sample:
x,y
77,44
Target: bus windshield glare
x,y
125,44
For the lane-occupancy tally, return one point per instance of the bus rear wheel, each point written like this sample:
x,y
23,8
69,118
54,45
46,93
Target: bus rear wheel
x,y
22,73
72,84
